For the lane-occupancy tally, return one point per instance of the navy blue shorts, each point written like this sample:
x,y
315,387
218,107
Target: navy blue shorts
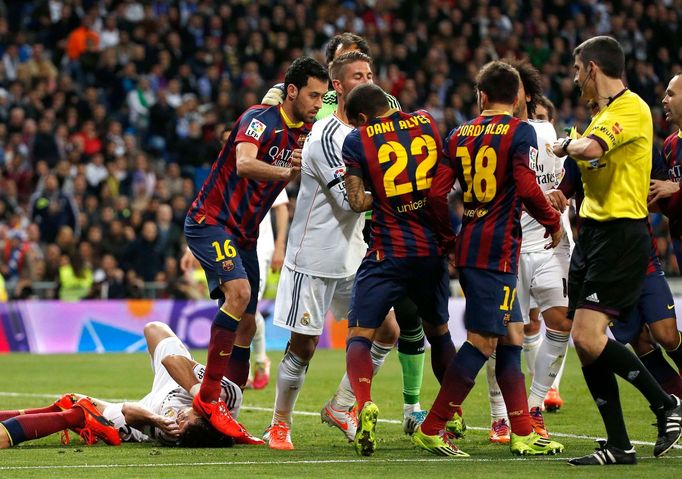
x,y
221,259
380,284
655,303
490,300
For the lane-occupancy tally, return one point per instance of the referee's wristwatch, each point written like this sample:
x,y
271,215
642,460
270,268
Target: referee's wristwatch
x,y
564,144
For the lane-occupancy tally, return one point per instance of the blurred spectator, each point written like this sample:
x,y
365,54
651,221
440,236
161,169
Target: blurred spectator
x,y
143,256
75,277
51,209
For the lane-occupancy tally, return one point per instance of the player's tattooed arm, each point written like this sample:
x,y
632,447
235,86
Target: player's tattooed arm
x,y
359,199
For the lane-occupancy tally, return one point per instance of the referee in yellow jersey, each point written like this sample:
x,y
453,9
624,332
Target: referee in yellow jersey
x,y
610,258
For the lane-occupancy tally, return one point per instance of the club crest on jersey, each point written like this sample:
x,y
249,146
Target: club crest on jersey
x,y
617,128
301,139
533,158
228,265
506,319
256,129
305,319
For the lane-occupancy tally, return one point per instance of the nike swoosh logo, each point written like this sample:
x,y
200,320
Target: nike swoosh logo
x,y
452,404
671,306
223,353
279,131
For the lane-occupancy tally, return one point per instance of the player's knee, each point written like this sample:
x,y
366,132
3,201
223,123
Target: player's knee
x,y
388,332
155,329
238,295
583,340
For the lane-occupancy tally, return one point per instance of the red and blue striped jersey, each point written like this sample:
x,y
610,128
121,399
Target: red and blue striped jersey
x,y
396,156
240,203
490,157
672,207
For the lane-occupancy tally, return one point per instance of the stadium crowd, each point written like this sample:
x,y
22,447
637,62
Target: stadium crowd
x,y
111,111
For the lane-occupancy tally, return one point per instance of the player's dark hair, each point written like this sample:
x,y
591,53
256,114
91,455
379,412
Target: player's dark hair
x,y
531,79
336,68
202,434
500,81
368,99
605,52
549,106
303,68
346,39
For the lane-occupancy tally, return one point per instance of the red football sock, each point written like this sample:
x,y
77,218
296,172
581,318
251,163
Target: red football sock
x,y
34,426
19,412
457,382
359,368
237,369
219,351
513,386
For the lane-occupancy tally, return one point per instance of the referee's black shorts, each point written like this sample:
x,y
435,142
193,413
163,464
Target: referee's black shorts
x,y
608,266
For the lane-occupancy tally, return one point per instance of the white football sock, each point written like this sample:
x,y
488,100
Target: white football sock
x,y
258,342
551,354
498,410
557,379
530,351
290,380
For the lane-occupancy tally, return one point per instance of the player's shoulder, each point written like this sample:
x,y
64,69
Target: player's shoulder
x,y
325,128
667,143
256,120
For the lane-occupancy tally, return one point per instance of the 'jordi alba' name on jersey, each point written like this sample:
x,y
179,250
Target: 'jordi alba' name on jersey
x,y
396,156
491,156
241,203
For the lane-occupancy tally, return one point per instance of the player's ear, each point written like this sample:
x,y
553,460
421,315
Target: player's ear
x,y
336,84
292,91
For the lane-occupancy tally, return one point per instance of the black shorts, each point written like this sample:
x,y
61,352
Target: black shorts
x,y
608,266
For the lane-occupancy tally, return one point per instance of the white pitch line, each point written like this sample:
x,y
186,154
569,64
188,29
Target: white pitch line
x,y
305,462
308,413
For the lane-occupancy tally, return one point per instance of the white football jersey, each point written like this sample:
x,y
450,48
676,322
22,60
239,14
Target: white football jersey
x,y
549,170
325,238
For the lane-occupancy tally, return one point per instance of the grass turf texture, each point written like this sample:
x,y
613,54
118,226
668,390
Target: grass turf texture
x,y
320,452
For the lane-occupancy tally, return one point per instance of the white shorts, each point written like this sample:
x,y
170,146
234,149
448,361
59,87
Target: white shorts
x,y
543,281
303,301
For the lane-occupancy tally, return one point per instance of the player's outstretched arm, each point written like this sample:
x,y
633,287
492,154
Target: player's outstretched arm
x,y
359,199
249,166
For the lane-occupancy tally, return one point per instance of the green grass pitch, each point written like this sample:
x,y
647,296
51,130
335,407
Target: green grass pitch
x,y
321,452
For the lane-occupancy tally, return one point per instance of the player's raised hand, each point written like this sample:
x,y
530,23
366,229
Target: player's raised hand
x,y
557,199
556,237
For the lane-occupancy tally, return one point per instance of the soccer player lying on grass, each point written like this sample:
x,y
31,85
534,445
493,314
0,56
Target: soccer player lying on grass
x,y
165,414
